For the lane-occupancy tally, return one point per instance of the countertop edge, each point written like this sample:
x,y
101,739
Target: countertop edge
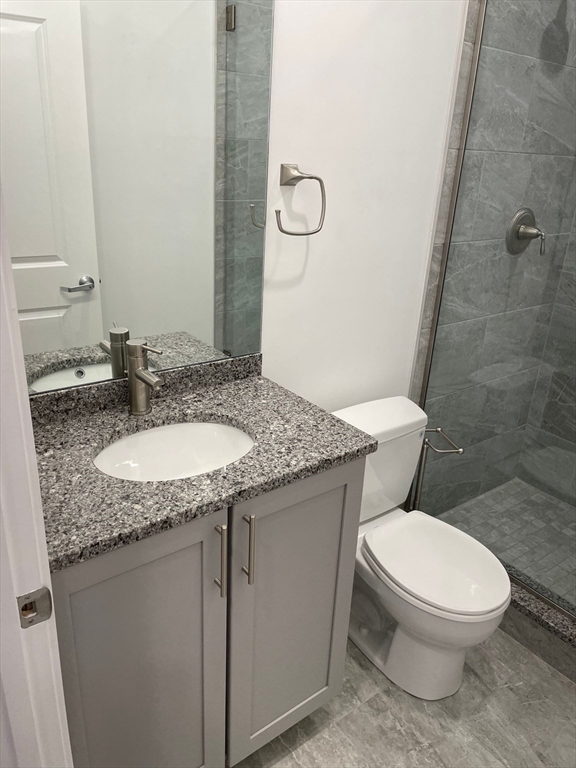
x,y
100,547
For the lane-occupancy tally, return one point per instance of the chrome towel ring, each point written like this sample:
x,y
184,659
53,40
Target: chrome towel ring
x,y
289,177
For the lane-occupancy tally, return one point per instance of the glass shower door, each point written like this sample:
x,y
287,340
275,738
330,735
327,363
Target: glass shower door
x,y
503,374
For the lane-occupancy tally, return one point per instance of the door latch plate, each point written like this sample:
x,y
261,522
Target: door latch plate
x,y
34,607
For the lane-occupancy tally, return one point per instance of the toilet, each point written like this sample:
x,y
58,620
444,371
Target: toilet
x,y
424,591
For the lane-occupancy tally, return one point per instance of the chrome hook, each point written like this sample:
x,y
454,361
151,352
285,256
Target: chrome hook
x,y
290,175
253,217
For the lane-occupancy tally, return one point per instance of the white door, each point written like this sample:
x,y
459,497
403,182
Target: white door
x,y
46,177
32,713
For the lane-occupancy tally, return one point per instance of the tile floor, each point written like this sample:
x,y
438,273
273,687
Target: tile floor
x,y
526,528
512,711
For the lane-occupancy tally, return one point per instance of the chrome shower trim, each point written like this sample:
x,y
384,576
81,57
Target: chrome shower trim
x,y
542,598
453,199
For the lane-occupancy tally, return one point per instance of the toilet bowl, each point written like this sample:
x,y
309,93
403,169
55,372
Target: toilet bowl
x,y
437,594
424,591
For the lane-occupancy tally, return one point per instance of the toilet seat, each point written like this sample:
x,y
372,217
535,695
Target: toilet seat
x,y
439,566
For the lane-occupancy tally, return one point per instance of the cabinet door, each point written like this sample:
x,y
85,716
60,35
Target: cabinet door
x,y
287,630
142,634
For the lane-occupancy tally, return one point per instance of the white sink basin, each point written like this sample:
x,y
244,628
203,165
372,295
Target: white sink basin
x,y
69,377
174,451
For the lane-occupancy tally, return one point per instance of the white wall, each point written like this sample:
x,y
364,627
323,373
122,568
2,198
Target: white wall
x,y
8,757
362,95
150,82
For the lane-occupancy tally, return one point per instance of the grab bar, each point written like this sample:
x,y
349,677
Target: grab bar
x,y
426,445
290,175
438,431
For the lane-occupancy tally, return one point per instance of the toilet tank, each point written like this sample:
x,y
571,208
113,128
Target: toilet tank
x,y
398,425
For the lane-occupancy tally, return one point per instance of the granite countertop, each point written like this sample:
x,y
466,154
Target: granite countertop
x,y
88,513
179,348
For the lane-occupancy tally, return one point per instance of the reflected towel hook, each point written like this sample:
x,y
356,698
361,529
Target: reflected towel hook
x,y
289,177
253,217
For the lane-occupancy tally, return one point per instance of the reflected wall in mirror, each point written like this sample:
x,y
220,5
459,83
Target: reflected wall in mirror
x,y
134,140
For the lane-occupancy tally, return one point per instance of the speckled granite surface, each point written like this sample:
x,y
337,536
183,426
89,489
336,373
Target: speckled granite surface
x,y
542,613
179,349
537,638
90,398
88,513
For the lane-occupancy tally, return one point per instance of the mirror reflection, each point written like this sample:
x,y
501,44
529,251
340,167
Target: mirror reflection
x,y
134,141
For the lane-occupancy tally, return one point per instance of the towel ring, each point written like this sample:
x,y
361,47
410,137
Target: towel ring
x,y
289,177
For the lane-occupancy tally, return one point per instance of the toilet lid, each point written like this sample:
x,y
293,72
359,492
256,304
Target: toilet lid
x,y
438,564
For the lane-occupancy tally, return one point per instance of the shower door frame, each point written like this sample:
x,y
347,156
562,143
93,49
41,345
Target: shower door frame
x,y
453,198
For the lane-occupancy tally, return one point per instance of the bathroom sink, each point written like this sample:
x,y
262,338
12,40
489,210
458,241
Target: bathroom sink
x,y
174,451
69,377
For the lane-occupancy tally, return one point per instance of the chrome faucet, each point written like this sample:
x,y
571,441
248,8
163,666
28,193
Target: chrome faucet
x,y
116,348
140,380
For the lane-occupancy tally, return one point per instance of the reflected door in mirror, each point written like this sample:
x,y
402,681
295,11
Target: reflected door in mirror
x,y
46,176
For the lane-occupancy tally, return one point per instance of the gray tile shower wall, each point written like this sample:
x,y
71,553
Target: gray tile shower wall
x,y
503,379
549,455
244,59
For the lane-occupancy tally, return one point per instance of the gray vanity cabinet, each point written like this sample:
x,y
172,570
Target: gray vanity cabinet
x,y
288,630
142,635
144,641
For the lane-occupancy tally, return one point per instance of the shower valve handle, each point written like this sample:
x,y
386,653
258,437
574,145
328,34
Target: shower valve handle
x,y
526,232
521,230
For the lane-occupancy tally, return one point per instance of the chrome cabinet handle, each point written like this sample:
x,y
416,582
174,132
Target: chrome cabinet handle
x,y
251,520
223,580
85,283
289,177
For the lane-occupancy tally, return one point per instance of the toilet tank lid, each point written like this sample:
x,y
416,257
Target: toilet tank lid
x,y
385,419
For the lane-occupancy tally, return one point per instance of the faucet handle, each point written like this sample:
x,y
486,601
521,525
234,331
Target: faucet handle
x,y
152,349
139,348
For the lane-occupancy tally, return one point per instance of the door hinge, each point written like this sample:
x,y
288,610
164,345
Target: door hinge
x,y
230,18
34,607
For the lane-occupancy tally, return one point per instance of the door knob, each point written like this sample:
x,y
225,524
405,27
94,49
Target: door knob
x,y
85,283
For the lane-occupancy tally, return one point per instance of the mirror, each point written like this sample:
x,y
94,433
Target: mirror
x,y
134,141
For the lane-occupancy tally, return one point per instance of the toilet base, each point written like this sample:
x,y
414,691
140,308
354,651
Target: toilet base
x,y
418,647
426,671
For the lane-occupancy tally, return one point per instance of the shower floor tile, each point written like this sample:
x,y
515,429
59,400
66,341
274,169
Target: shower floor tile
x,y
527,529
